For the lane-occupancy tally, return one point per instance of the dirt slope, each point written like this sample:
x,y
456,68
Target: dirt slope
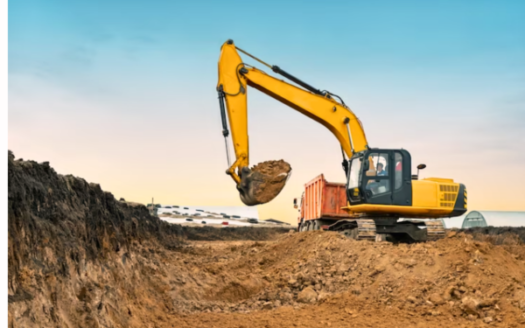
x,y
74,251
78,258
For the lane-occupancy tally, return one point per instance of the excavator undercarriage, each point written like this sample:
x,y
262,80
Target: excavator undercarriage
x,y
381,229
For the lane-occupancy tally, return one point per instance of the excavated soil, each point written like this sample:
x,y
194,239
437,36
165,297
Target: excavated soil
x,y
274,177
78,258
497,235
234,233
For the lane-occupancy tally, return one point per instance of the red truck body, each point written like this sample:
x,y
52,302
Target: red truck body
x,y
323,200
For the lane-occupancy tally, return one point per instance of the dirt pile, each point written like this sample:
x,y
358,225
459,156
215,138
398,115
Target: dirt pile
x,y
276,175
457,278
264,182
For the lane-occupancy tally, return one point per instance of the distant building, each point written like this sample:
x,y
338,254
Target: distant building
x,y
493,218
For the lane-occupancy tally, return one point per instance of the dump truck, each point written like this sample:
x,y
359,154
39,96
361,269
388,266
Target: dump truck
x,y
321,202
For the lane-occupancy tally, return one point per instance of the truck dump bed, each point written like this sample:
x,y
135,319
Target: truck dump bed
x,y
323,199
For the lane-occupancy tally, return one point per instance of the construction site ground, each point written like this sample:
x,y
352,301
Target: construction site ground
x,y
79,258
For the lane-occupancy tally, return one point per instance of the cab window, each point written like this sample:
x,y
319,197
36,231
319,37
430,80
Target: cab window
x,y
353,176
377,174
398,171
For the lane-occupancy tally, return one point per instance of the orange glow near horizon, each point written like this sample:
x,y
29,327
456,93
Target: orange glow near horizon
x,y
179,157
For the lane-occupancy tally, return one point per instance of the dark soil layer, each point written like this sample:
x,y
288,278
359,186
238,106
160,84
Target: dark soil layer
x,y
240,233
498,235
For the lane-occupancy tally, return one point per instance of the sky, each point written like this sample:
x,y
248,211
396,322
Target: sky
x,y
122,93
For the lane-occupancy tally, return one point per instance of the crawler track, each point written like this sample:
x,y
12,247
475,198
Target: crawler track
x,y
435,230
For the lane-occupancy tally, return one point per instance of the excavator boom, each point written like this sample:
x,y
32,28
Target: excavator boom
x,y
234,78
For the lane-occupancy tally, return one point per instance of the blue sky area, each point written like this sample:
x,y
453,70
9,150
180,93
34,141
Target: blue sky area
x,y
80,42
444,79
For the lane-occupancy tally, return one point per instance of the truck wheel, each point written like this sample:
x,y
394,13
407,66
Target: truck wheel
x,y
315,225
308,226
303,227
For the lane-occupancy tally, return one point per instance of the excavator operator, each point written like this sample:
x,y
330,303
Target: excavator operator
x,y
380,170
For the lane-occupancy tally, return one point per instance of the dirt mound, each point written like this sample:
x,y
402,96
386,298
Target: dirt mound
x,y
457,278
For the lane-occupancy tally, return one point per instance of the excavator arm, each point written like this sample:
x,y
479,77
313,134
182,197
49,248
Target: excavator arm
x,y
234,78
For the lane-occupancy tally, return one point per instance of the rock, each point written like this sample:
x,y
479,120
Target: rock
x,y
452,234
488,320
318,287
286,296
449,292
277,303
267,306
487,302
307,295
436,299
411,299
377,270
342,269
322,296
408,262
469,305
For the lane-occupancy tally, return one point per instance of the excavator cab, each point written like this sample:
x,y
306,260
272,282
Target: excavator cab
x,y
380,176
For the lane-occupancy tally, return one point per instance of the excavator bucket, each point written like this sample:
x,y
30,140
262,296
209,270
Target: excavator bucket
x,y
263,182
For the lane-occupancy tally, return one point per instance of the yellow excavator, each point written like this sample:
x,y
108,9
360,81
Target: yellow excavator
x,y
383,197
